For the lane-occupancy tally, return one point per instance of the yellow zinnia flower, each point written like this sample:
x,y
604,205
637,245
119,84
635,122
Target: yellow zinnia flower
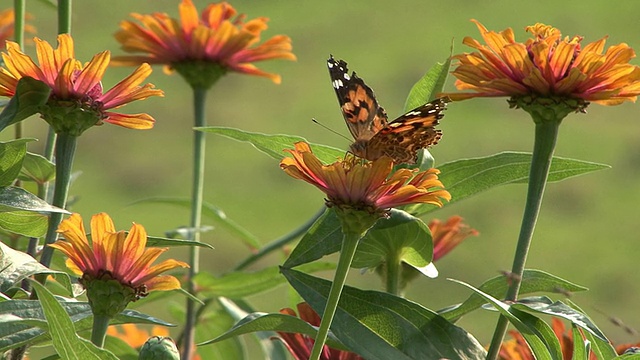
x,y
365,185
202,47
546,65
76,87
114,257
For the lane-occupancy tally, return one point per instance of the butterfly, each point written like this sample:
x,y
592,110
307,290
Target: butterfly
x,y
367,121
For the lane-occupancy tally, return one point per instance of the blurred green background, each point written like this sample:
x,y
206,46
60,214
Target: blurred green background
x,y
588,229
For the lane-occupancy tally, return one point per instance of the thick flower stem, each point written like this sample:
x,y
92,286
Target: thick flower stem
x,y
544,145
199,97
349,246
99,330
65,151
393,267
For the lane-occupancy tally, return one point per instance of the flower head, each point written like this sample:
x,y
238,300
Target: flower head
x,y
448,235
546,66
300,345
364,185
114,260
204,47
77,100
7,20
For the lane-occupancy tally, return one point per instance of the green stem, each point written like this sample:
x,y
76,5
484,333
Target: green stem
x,y
99,330
279,243
393,266
65,151
64,16
544,145
349,246
199,97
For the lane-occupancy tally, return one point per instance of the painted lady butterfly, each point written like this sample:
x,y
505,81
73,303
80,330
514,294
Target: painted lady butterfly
x,y
368,123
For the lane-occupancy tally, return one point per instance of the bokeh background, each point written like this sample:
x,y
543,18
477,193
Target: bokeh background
x,y
587,232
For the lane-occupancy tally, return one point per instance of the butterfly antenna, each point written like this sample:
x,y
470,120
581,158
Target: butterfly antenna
x,y
330,129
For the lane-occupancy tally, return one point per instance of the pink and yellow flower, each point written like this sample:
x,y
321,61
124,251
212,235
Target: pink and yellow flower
x,y
364,185
300,345
115,255
546,65
218,36
76,85
446,236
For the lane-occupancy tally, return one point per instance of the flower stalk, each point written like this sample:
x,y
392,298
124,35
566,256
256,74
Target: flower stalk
x,y
546,134
99,330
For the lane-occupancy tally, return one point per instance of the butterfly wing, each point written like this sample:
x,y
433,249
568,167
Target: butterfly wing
x,y
403,137
363,115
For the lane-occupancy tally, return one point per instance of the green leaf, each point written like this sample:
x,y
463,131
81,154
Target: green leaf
x,y
539,336
14,198
236,285
30,95
379,325
37,168
602,348
467,177
323,238
273,145
256,322
214,213
12,154
544,305
401,236
532,281
428,86
25,223
120,348
16,266
581,348
155,241
63,334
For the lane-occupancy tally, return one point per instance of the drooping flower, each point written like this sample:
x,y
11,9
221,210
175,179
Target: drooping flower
x,y
300,345
448,235
369,186
201,48
77,101
7,20
135,336
546,66
114,262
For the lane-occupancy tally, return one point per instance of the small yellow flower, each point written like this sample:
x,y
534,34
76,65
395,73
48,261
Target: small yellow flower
x,y
546,65
114,257
219,37
365,185
77,86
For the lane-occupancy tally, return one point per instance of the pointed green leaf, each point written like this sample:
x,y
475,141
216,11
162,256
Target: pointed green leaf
x,y
401,236
581,348
323,238
25,223
532,281
14,198
602,348
467,177
30,95
273,145
427,88
37,168
155,241
16,266
236,285
12,154
379,325
214,213
63,334
541,339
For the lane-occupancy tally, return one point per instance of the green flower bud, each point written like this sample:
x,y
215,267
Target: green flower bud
x,y
159,348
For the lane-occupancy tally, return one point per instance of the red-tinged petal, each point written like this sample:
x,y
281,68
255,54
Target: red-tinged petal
x,y
162,283
92,73
130,121
65,50
253,70
154,271
79,263
120,93
21,65
133,247
188,16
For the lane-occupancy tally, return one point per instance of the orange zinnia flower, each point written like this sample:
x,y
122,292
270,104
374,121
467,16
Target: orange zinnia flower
x,y
135,336
364,185
300,345
546,65
77,86
114,256
448,235
218,37
7,20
